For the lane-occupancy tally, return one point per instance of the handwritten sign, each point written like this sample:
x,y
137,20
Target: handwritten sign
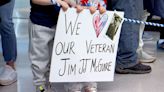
x,y
84,50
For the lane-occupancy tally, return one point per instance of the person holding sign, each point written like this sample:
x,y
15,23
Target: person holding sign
x,y
92,5
126,62
43,19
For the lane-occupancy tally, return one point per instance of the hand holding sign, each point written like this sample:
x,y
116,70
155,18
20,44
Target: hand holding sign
x,y
63,4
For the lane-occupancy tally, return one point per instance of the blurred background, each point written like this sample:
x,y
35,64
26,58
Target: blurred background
x,y
152,82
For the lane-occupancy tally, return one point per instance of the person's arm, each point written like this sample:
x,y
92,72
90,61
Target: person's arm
x,y
42,2
63,4
47,2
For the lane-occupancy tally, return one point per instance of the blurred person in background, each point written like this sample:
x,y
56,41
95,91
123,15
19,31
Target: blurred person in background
x,y
156,7
8,38
143,56
126,62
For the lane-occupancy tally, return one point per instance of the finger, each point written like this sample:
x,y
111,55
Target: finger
x,y
79,8
102,10
65,6
92,10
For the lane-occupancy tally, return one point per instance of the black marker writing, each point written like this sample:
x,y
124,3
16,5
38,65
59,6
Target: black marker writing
x,y
74,28
98,66
67,68
84,66
65,48
99,48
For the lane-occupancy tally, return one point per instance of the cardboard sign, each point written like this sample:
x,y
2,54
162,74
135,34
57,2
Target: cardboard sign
x,y
85,46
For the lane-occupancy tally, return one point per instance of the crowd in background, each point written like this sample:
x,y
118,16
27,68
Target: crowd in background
x,y
43,19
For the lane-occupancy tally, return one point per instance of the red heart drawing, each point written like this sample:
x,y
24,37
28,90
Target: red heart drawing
x,y
99,22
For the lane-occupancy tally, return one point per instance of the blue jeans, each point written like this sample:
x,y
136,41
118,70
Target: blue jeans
x,y
7,32
129,37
